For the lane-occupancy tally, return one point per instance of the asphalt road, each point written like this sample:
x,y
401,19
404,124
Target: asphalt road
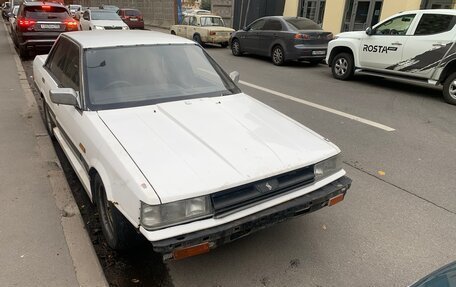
x,y
398,221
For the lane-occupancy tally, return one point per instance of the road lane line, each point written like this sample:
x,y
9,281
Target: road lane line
x,y
320,107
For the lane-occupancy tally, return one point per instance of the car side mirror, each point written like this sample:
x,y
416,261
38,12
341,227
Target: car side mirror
x,y
369,31
65,96
235,76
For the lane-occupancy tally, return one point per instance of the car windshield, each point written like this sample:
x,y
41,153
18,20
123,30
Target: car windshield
x,y
212,21
105,15
143,75
46,12
303,24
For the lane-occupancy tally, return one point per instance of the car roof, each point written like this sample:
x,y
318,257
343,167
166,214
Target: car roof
x,y
431,11
104,39
43,3
125,9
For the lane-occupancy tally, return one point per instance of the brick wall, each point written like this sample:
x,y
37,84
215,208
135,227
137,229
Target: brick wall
x,y
161,13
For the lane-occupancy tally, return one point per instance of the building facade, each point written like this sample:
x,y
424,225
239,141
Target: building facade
x,y
354,15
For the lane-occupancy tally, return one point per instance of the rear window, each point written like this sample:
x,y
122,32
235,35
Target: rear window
x,y
45,12
132,13
303,24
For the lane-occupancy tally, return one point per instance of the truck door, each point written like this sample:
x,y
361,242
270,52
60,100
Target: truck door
x,y
383,48
431,41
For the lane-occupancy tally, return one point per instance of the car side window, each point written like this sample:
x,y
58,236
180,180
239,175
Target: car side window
x,y
70,69
434,24
272,25
258,25
56,62
86,15
395,26
193,21
185,21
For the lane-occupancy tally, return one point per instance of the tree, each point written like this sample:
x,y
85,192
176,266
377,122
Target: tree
x,y
206,4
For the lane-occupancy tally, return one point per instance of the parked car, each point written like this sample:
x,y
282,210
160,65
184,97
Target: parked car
x,y
73,9
6,8
442,277
196,12
203,29
12,20
132,17
283,39
38,25
167,145
414,46
101,19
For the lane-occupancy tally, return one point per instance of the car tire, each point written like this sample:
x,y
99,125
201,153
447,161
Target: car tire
x,y
449,89
173,33
236,48
343,66
23,53
50,125
117,230
197,39
224,44
278,55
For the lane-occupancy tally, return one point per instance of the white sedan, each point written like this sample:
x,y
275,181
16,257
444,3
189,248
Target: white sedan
x,y
101,19
168,146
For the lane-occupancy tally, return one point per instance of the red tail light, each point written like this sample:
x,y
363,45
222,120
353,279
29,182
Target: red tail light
x,y
25,23
46,7
71,25
302,36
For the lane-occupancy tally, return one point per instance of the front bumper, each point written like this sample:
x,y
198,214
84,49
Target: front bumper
x,y
231,231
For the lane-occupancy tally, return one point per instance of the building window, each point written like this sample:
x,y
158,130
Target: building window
x,y
360,14
313,10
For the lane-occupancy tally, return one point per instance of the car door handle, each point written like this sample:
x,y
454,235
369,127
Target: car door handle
x,y
438,45
396,44
42,79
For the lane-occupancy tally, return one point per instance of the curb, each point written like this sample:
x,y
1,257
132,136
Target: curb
x,y
85,261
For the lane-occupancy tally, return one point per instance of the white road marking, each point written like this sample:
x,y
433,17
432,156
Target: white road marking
x,y
320,107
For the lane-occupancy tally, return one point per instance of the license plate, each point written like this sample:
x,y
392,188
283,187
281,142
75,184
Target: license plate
x,y
319,52
50,26
133,19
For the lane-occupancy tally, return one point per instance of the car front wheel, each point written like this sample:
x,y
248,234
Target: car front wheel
x,y
118,232
343,66
236,48
197,39
449,89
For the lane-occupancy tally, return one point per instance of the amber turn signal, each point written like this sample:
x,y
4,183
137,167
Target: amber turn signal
x,y
191,251
336,199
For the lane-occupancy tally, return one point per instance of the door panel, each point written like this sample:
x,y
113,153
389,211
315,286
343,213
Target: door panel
x,y
269,33
384,48
250,39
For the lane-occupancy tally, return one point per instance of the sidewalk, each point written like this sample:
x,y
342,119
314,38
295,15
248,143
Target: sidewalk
x,y
42,236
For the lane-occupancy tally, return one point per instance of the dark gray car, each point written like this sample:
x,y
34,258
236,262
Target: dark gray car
x,y
283,39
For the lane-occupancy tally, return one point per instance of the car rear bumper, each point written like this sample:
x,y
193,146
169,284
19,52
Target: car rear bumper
x,y
218,39
135,24
231,231
38,39
303,52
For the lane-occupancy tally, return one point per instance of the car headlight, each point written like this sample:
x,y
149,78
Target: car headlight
x,y
164,215
98,27
328,167
125,28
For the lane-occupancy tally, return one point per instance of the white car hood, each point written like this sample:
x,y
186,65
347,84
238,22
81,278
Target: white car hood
x,y
109,23
196,147
353,35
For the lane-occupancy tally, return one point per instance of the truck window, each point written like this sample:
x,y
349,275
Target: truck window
x,y
435,24
395,26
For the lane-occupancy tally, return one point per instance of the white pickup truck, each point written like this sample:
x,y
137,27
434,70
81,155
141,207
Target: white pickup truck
x,y
416,46
166,144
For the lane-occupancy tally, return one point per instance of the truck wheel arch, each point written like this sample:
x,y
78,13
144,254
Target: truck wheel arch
x,y
448,70
338,50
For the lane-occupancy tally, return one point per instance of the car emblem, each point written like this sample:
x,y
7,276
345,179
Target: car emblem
x,y
267,186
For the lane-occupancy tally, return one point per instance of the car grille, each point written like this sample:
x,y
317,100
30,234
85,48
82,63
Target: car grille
x,y
227,201
112,28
